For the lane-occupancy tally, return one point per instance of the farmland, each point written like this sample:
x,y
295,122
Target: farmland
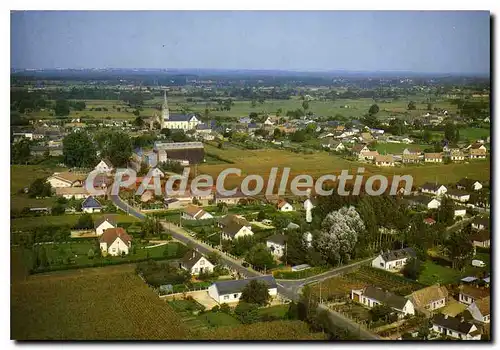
x,y
97,304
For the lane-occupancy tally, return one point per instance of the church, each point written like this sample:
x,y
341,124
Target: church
x,y
177,121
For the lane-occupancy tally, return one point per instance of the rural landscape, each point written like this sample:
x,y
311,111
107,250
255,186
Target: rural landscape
x,y
97,253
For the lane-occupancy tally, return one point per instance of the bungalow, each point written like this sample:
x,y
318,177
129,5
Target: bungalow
x,y
104,166
91,205
372,296
458,195
367,137
412,150
457,155
460,211
232,218
193,212
232,199
70,192
455,327
358,149
476,146
481,238
277,244
429,298
172,203
384,160
477,153
66,179
230,291
115,241
481,223
268,121
433,188
284,206
433,157
468,294
480,310
370,155
196,263
410,158
393,260
333,145
469,184
235,230
103,224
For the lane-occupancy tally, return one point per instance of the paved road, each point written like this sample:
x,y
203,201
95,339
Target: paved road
x,y
288,288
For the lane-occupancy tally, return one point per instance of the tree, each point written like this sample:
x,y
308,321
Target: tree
x,y
459,249
58,209
253,103
116,146
427,136
371,121
214,258
42,257
90,254
85,221
382,311
293,311
61,108
138,122
339,234
450,132
261,215
136,113
260,257
79,150
412,106
247,313
446,211
429,106
305,105
151,227
412,269
374,109
276,133
20,152
225,308
256,292
40,188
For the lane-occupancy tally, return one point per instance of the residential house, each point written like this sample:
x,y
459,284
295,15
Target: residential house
x,y
292,226
231,199
373,296
277,244
147,196
156,172
104,166
412,150
284,206
358,149
410,158
384,160
393,260
367,137
115,241
196,263
236,230
460,211
193,212
268,121
66,179
426,201
476,146
70,192
477,153
433,157
469,184
103,224
455,327
429,221
433,188
230,291
429,298
458,195
173,203
481,223
333,144
480,309
456,155
370,155
233,218
468,294
91,205
481,238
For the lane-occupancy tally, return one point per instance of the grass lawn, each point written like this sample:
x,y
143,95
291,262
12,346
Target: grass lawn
x,y
474,134
217,319
397,148
277,311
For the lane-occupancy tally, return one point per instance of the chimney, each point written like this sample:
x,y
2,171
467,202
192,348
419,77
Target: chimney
x,y
445,317
462,319
194,254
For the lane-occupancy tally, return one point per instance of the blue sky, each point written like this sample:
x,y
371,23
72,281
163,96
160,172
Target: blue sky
x,y
441,42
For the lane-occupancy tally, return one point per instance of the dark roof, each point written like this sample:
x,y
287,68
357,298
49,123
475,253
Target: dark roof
x,y
466,182
385,297
424,200
232,229
91,202
193,155
108,162
474,292
398,254
237,194
111,234
107,218
230,218
203,127
480,236
237,286
279,239
457,193
191,258
482,221
453,323
431,186
180,117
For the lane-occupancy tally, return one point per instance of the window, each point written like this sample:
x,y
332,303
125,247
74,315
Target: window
x,y
202,262
114,250
235,296
195,269
226,297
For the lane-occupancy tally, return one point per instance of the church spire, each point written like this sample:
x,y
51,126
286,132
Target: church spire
x,y
165,111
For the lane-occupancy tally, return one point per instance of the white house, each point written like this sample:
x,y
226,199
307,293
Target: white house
x,y
103,224
115,241
393,260
284,206
481,223
104,166
236,230
480,310
70,192
91,205
433,188
196,263
469,184
156,172
460,211
230,291
455,327
66,179
268,121
429,298
433,157
469,294
277,245
193,212
372,296
458,195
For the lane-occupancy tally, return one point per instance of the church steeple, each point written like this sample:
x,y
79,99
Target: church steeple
x,y
165,112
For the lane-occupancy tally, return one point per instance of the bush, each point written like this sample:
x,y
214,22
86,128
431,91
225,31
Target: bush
x,y
225,308
216,308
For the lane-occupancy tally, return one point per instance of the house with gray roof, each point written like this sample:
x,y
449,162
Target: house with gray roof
x,y
393,260
373,296
455,327
196,263
230,291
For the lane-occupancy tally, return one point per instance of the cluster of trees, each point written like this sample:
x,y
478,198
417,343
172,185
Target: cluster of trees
x,y
39,188
20,152
157,274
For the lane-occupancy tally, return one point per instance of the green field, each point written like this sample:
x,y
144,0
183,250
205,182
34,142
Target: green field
x,y
473,134
397,148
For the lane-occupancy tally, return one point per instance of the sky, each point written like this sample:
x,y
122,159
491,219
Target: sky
x,y
425,42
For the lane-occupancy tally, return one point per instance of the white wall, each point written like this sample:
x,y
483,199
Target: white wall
x,y
117,247
56,183
202,263
102,227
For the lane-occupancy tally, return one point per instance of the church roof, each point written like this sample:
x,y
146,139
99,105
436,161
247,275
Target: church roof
x,y
179,117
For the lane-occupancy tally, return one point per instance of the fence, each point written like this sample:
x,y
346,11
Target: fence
x,y
185,292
